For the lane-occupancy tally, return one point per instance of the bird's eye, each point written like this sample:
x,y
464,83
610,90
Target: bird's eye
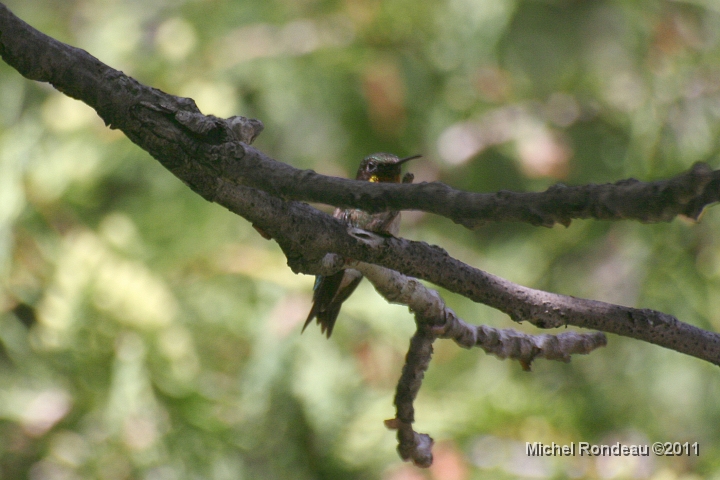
x,y
372,166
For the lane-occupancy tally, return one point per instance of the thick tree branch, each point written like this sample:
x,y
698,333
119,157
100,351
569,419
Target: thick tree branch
x,y
201,150
174,131
305,234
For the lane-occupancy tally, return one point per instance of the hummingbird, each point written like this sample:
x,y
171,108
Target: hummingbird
x,y
331,291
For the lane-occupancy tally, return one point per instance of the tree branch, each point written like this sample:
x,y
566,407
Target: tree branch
x,y
213,157
202,150
434,316
305,234
435,320
174,131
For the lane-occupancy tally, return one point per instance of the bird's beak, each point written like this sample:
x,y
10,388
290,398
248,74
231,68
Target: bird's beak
x,y
407,159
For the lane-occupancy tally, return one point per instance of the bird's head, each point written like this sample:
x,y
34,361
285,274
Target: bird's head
x,y
382,167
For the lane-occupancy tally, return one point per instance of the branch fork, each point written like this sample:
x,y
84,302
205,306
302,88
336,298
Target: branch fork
x,y
214,158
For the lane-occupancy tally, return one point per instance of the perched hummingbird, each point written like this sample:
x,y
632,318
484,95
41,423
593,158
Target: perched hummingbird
x,y
331,291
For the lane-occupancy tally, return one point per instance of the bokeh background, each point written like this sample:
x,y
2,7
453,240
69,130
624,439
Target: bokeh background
x,y
148,334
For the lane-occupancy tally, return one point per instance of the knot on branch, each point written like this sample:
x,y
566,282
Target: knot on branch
x,y
244,129
412,446
207,128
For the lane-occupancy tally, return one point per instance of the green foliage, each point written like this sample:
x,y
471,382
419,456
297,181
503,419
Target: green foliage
x,y
145,333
